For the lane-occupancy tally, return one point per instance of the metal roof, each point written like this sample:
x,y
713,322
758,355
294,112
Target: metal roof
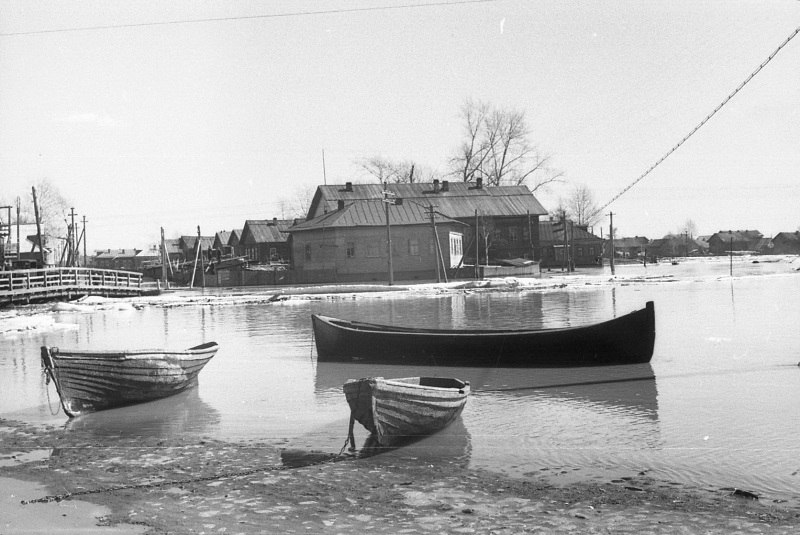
x,y
265,231
455,199
372,213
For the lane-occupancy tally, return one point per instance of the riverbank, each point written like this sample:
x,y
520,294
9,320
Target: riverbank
x,y
191,485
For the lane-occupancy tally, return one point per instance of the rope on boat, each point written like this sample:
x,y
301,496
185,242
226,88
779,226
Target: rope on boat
x,y
173,483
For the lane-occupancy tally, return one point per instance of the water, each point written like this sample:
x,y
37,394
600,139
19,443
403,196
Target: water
x,y
718,406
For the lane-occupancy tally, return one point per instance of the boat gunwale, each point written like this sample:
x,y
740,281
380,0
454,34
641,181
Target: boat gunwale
x,y
366,327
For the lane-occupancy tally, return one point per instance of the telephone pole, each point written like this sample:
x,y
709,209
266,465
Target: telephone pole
x,y
611,236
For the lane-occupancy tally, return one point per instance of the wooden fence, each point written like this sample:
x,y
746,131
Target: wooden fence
x,y
28,285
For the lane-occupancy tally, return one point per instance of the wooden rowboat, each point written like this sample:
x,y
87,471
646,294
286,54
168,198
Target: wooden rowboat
x,y
89,381
627,339
399,410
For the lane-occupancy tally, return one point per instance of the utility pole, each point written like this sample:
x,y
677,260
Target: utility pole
x,y
611,236
439,257
38,227
85,263
387,200
19,203
72,241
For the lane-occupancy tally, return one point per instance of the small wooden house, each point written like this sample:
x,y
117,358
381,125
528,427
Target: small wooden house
x,y
265,241
723,242
565,242
785,243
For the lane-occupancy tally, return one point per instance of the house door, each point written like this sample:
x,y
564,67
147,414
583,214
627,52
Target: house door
x,y
456,249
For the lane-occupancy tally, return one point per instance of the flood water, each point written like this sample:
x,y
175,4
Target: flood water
x,y
718,406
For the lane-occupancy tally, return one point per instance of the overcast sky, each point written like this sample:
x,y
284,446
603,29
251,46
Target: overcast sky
x,y
148,114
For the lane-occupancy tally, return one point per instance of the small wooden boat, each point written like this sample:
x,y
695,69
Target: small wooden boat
x,y
89,381
627,339
399,410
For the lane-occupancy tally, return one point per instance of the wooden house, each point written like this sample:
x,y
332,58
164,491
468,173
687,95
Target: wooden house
x,y
723,242
221,246
188,246
506,217
785,243
349,244
234,241
634,247
265,241
578,246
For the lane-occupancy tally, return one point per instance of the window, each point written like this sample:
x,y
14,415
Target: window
x,y
373,250
591,251
513,235
413,247
580,252
308,251
351,250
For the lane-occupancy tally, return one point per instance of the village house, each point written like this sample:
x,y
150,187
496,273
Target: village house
x,y
349,244
785,243
506,216
585,249
234,242
723,242
265,241
634,247
123,259
221,247
188,247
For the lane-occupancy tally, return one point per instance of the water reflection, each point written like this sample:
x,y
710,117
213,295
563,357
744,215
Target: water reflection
x,y
177,415
453,444
628,387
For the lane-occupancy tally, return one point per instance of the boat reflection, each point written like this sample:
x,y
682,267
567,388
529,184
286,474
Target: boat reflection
x,y
452,444
631,387
164,418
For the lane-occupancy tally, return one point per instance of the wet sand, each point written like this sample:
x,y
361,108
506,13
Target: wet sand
x,y
188,485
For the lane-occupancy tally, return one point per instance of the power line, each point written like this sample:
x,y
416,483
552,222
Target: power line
x,y
248,17
699,125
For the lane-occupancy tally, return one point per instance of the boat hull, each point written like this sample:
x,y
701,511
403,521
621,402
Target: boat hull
x,y
400,410
89,381
628,339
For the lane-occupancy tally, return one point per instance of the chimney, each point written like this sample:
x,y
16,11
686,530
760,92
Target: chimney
x,y
435,185
348,186
479,183
445,185
340,204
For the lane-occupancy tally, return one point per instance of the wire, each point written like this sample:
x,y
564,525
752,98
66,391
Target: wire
x,y
248,17
703,122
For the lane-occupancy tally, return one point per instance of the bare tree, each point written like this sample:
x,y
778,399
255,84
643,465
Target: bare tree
x,y
689,228
497,149
297,206
396,172
581,206
53,208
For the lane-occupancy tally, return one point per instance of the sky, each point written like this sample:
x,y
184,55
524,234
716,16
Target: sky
x,y
151,114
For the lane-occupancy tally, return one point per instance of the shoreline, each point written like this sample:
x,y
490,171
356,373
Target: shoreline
x,y
191,485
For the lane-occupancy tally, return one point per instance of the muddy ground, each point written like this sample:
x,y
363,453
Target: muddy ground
x,y
191,485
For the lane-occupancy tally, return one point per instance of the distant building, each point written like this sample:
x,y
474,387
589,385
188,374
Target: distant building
x,y
234,242
188,246
785,243
265,241
123,259
585,249
723,242
630,247
221,246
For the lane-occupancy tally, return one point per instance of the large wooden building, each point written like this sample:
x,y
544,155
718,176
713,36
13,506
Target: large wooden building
x,y
506,217
350,243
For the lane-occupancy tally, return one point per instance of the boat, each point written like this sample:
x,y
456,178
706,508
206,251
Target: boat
x,y
95,380
396,411
627,339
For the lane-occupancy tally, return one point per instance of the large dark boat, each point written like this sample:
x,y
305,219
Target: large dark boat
x,y
628,339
